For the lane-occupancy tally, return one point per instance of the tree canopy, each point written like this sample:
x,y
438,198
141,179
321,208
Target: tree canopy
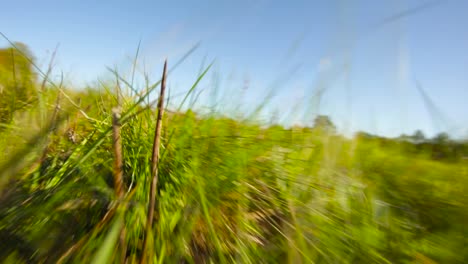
x,y
324,124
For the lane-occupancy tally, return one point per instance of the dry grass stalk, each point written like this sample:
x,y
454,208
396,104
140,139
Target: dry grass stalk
x,y
118,165
154,165
118,161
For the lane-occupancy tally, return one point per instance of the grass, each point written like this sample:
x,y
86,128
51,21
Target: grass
x,y
226,191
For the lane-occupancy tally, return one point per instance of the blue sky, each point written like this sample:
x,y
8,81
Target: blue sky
x,y
360,56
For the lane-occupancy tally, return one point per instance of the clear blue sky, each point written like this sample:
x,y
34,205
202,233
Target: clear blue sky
x,y
361,56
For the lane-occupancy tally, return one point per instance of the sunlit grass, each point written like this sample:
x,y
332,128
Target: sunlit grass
x,y
228,190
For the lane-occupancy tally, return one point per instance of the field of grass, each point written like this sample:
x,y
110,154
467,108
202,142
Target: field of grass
x,y
75,186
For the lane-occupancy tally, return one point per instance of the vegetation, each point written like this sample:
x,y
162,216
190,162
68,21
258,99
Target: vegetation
x,y
227,190
16,80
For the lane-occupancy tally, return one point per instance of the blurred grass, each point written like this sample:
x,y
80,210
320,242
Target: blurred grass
x,y
228,190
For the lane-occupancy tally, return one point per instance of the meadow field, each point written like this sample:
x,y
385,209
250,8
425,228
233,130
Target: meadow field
x,y
82,181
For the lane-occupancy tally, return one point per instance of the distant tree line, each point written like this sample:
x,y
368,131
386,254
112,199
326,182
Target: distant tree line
x,y
440,147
